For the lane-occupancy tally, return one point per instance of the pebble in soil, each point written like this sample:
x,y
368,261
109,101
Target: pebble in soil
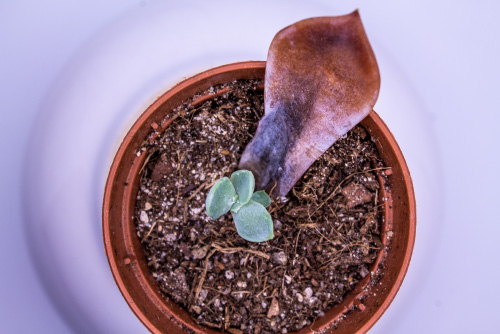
x,y
327,229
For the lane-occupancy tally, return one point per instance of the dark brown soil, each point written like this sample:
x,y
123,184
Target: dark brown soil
x,y
326,230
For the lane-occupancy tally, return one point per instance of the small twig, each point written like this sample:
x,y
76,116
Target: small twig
x,y
211,229
271,192
263,290
210,324
197,191
333,212
150,230
257,272
178,182
211,301
240,249
226,318
208,186
185,214
324,236
283,282
276,208
213,289
203,275
296,242
246,259
145,162
265,283
313,225
272,294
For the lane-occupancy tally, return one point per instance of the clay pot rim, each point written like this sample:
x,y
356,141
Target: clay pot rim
x,y
139,123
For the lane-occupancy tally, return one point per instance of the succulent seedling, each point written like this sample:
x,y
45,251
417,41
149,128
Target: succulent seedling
x,y
248,208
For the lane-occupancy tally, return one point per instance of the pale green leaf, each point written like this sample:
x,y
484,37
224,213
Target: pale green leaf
x,y
236,207
262,198
253,222
244,183
221,198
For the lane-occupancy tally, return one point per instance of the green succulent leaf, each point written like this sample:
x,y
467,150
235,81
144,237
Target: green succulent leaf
x,y
244,183
221,198
253,222
262,198
236,207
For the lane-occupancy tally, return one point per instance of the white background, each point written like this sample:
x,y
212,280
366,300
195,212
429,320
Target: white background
x,y
74,74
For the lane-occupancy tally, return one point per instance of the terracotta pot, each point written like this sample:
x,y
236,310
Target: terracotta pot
x,y
125,254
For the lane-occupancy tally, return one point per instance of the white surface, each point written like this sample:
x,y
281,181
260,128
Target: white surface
x,y
74,76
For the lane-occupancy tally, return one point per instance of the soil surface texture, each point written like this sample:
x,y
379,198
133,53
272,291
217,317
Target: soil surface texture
x,y
327,230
